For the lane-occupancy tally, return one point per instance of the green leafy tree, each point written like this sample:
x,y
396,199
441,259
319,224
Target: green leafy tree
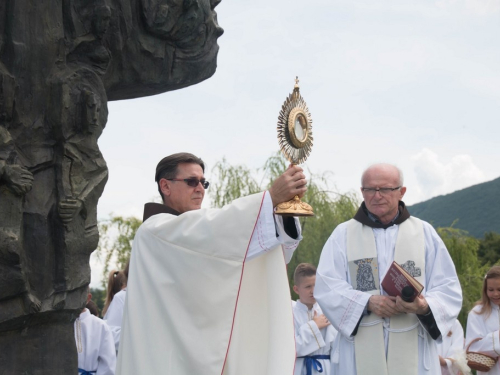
x,y
463,250
231,182
489,248
99,297
115,244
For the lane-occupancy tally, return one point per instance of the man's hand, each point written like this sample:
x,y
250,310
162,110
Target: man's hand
x,y
418,306
383,306
18,179
321,320
288,185
68,208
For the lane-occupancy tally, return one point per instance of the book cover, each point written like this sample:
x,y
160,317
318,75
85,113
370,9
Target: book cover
x,y
397,278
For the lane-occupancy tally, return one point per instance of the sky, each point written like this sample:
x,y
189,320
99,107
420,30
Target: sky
x,y
412,83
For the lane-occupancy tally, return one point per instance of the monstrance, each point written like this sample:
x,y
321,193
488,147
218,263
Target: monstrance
x,y
295,140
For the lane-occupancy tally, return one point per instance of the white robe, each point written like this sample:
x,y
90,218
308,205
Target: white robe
x,y
310,340
114,315
195,306
94,343
344,306
451,347
488,329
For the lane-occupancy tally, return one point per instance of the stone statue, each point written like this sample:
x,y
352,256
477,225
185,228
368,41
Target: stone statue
x,y
60,63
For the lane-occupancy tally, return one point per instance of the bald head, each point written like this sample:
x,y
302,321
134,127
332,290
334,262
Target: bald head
x,y
383,169
382,189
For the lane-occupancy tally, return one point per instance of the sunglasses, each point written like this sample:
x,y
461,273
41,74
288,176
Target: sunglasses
x,y
193,182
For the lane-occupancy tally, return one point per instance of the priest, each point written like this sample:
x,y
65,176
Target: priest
x,y
207,290
382,334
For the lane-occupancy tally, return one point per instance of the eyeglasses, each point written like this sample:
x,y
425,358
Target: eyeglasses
x,y
193,182
382,191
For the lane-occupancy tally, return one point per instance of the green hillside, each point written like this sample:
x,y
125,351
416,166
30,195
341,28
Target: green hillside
x,y
476,209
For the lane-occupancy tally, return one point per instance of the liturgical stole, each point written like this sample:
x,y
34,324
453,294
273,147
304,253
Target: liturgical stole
x,y
402,355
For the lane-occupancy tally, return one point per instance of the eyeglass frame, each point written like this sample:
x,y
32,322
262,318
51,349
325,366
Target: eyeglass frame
x,y
382,191
204,183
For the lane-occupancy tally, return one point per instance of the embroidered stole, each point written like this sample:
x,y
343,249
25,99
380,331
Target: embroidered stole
x,y
402,356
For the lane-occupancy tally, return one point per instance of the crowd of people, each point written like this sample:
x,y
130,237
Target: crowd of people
x,y
218,300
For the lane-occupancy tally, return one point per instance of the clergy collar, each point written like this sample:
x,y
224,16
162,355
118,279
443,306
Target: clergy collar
x,y
151,209
304,307
363,218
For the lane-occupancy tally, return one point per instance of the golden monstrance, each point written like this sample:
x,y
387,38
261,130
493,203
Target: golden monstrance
x,y
295,140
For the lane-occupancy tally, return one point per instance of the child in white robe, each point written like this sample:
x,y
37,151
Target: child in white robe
x,y
314,335
451,351
115,303
94,344
484,320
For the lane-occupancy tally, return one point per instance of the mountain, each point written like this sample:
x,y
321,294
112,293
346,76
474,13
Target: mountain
x,y
475,209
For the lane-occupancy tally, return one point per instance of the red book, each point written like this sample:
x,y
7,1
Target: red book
x,y
396,279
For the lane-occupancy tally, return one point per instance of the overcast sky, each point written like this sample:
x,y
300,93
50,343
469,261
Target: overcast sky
x,y
414,83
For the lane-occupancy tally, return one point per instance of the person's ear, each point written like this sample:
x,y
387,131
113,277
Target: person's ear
x,y
403,191
165,187
295,289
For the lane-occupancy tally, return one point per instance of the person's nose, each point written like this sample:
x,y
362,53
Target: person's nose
x,y
199,187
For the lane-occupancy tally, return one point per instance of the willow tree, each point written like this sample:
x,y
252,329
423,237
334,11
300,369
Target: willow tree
x,y
115,243
463,250
330,207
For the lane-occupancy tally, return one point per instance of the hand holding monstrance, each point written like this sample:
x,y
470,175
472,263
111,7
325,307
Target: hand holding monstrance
x,y
295,139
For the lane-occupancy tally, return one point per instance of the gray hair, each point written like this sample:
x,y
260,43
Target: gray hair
x,y
400,172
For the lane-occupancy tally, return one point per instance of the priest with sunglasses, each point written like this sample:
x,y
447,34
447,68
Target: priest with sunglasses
x,y
208,292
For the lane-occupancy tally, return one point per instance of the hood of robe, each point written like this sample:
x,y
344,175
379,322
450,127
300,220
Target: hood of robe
x,y
362,216
151,209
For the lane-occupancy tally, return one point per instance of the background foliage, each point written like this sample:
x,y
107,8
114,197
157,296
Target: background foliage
x,y
115,242
463,251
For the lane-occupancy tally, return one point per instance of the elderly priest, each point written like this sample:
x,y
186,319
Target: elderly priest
x,y
208,291
382,334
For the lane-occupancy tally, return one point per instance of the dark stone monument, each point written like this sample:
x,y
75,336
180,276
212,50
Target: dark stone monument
x,y
60,63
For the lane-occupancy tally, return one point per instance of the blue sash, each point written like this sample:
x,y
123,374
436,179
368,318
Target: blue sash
x,y
85,372
311,361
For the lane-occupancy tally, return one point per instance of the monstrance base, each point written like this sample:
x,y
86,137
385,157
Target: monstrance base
x,y
294,207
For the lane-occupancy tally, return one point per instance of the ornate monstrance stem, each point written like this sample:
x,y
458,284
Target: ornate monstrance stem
x,y
295,140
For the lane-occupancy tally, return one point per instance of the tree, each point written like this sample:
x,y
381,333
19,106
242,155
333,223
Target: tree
x,y
330,207
115,244
463,250
231,182
489,248
99,297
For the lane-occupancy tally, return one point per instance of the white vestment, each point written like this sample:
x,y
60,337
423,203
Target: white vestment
x,y
488,329
194,306
94,344
310,340
114,315
344,306
451,348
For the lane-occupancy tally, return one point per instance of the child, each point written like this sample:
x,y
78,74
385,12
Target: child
x,y
115,302
314,335
451,352
94,345
484,320
117,281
